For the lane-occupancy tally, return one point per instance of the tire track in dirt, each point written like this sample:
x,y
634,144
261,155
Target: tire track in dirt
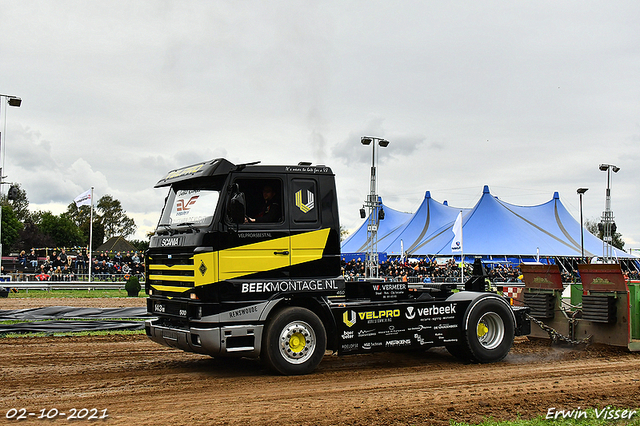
x,y
142,382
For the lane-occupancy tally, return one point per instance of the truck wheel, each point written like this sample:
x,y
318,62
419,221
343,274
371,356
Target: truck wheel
x,y
489,332
295,341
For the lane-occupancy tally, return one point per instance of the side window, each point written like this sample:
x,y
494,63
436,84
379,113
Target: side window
x,y
263,198
305,201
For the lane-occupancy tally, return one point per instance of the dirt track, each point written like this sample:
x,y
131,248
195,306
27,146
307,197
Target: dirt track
x,y
140,382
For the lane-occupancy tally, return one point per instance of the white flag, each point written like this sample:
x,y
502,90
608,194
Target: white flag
x,y
456,244
83,199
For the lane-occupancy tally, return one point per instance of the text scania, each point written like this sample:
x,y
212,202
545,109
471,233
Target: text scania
x,y
390,313
289,286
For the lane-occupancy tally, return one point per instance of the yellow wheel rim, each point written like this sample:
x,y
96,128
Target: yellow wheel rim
x,y
297,342
482,329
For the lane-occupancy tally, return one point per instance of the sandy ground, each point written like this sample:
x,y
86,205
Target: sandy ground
x,y
140,382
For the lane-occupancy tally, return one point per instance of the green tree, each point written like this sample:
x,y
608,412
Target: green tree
x,y
10,230
591,225
114,218
81,217
30,236
61,229
344,233
140,245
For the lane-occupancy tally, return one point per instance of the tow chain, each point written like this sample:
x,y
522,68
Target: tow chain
x,y
556,336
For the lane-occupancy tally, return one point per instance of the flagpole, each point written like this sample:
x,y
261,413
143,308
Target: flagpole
x,y
461,250
90,234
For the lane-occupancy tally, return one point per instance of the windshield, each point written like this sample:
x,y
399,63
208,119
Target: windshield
x,y
187,207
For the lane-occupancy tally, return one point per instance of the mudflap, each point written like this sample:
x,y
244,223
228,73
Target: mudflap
x,y
523,324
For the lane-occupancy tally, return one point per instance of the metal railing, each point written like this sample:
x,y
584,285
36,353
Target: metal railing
x,y
63,285
74,282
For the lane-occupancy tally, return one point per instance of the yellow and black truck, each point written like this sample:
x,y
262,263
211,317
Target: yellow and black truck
x,y
245,262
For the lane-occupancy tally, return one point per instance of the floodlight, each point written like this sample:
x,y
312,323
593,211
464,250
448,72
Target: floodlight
x,y
14,101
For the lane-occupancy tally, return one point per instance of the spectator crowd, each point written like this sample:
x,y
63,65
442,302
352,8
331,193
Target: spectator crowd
x,y
59,266
425,270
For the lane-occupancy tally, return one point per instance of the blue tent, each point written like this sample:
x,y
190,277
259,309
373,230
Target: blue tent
x,y
491,228
430,221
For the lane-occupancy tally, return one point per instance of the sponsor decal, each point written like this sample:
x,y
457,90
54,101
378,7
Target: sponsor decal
x,y
244,311
392,331
309,205
601,281
254,235
185,171
183,207
411,312
384,314
366,333
289,286
420,340
349,347
397,343
445,326
437,310
371,345
202,268
389,287
307,169
349,318
347,335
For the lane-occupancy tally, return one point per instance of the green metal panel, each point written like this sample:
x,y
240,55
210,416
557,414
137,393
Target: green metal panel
x,y
634,302
576,294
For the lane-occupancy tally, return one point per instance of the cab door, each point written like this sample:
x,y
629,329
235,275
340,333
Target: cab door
x,y
261,247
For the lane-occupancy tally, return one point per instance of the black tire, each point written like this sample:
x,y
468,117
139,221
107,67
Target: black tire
x,y
294,341
489,332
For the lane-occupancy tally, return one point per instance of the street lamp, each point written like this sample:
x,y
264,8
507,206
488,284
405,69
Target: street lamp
x,y
376,213
13,101
581,191
607,226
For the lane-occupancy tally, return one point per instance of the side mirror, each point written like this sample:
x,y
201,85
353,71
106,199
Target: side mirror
x,y
237,206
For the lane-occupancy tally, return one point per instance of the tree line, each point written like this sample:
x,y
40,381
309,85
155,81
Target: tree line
x,y
22,229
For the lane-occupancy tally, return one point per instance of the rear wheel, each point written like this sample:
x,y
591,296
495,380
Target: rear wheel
x,y
489,332
295,341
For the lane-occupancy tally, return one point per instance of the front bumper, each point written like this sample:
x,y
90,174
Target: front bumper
x,y
227,341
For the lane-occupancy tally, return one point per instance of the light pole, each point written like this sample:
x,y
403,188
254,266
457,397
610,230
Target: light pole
x,y
13,101
581,191
376,213
607,226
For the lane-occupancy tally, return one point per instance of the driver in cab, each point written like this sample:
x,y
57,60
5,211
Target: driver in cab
x,y
270,210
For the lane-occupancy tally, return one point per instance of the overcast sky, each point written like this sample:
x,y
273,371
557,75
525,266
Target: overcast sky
x,y
528,97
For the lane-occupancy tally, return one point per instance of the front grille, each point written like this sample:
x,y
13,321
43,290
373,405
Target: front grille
x,y
171,269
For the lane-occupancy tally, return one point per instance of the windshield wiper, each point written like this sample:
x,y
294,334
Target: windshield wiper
x,y
169,229
190,225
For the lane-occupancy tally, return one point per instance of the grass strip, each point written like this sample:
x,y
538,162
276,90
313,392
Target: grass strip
x,y
576,416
